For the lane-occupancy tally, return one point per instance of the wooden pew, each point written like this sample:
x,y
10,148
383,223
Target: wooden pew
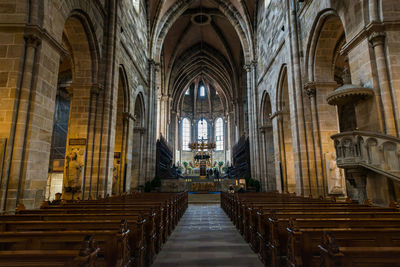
x,y
135,238
302,248
114,248
85,256
264,221
61,223
333,255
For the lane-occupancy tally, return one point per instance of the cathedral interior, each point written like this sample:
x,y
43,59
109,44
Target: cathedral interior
x,y
232,109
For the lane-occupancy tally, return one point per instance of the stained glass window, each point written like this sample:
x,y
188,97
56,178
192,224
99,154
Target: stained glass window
x,y
219,134
185,134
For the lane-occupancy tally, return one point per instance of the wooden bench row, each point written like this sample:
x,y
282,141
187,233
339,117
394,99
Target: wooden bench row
x,y
119,231
287,230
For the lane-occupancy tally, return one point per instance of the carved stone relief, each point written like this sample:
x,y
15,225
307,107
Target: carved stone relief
x,y
335,175
73,171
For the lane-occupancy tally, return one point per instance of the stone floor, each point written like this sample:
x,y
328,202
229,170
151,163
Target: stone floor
x,y
206,237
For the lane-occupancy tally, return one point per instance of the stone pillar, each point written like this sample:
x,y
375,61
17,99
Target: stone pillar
x,y
211,133
377,40
302,172
358,180
373,11
17,173
151,136
263,157
319,189
252,117
235,124
276,119
172,133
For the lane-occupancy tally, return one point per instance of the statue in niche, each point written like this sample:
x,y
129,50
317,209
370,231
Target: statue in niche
x,y
115,177
73,170
335,175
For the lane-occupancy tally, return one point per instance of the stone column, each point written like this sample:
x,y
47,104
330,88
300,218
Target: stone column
x,y
151,122
263,157
373,11
303,181
226,137
276,119
178,135
252,117
17,172
172,132
211,134
359,181
311,93
377,39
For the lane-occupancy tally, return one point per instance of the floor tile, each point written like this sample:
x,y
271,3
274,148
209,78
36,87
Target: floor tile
x,y
205,236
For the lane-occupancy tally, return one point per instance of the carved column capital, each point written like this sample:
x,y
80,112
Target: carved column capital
x,y
129,116
96,88
278,115
247,67
154,65
377,38
310,89
32,40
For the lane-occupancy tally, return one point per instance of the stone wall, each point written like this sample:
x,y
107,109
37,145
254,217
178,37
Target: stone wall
x,y
102,39
307,52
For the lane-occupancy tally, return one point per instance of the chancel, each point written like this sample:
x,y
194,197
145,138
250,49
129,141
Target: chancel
x,y
199,133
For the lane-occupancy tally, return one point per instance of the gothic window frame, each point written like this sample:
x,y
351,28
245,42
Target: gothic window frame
x,y
200,131
219,134
136,5
186,133
202,91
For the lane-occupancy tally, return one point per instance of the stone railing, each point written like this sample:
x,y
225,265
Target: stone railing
x,y
377,152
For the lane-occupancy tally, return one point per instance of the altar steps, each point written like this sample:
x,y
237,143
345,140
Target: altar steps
x,y
204,198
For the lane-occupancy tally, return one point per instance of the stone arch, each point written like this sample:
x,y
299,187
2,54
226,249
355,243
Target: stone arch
x,y
138,146
78,72
267,141
313,40
326,67
286,155
122,122
140,101
85,28
178,8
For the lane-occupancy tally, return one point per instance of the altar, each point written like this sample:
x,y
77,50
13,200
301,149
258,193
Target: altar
x,y
202,155
203,187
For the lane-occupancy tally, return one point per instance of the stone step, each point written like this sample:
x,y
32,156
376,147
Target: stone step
x,y
199,198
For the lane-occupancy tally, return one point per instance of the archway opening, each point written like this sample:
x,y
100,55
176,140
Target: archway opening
x,y
267,136
331,70
121,131
69,138
286,140
138,145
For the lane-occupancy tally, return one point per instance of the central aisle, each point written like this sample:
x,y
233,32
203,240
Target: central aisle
x,y
206,237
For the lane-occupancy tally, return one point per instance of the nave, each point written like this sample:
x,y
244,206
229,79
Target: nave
x,y
163,229
206,237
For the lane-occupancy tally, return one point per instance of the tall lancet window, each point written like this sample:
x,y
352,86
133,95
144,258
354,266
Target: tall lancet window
x,y
202,129
185,134
136,5
202,91
219,134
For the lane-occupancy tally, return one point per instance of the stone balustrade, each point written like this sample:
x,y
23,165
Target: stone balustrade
x,y
371,150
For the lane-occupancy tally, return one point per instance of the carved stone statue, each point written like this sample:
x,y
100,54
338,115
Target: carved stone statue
x,y
115,179
335,175
73,169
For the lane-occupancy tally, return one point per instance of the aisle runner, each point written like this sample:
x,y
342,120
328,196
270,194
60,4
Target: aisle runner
x,y
206,237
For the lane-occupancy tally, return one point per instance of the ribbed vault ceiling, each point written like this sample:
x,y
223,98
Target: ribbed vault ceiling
x,y
201,45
